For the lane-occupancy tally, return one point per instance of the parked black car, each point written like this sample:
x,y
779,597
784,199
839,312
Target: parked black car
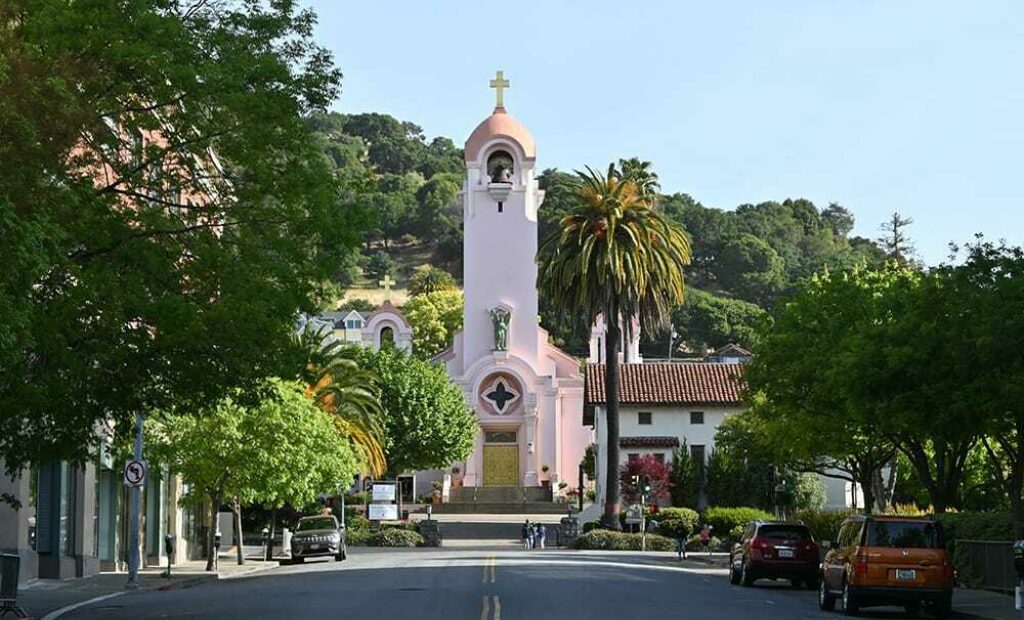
x,y
320,536
775,550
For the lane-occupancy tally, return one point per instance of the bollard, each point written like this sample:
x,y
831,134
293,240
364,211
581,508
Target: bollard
x,y
9,567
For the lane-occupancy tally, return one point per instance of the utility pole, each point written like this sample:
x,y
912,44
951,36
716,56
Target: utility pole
x,y
580,488
136,501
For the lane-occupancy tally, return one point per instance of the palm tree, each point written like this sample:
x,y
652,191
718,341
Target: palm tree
x,y
340,386
640,173
618,256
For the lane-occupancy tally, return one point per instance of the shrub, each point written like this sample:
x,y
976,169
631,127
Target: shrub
x,y
357,522
355,499
358,538
591,525
824,524
396,537
607,540
723,520
973,526
673,521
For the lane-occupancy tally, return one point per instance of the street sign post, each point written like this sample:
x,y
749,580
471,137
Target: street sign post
x,y
135,473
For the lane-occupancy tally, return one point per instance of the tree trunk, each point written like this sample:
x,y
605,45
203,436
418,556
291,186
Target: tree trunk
x,y
240,548
610,518
212,530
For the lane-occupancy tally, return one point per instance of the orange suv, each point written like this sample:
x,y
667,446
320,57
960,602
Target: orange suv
x,y
880,560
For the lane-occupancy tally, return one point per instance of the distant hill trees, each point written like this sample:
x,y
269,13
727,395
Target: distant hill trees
x,y
743,259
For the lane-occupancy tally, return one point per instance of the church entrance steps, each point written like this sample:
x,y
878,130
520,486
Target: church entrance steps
x,y
503,508
500,495
489,530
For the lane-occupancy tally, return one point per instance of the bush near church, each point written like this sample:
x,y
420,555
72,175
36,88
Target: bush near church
x,y
673,521
724,520
608,540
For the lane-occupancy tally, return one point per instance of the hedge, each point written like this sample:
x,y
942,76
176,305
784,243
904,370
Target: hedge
x,y
724,520
994,526
673,521
396,537
607,540
824,524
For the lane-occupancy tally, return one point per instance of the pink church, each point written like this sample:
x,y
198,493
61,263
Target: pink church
x,y
527,393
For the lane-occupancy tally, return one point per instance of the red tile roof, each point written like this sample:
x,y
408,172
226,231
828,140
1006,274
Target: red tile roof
x,y
649,442
669,384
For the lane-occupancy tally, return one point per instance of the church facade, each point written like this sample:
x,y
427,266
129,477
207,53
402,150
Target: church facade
x,y
526,393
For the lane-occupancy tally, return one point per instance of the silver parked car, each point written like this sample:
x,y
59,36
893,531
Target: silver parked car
x,y
319,536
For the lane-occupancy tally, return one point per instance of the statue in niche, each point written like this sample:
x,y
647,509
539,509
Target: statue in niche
x,y
500,318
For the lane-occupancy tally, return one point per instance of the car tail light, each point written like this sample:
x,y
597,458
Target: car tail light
x,y
760,544
861,565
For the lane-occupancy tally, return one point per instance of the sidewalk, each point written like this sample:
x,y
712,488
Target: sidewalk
x,y
984,604
43,597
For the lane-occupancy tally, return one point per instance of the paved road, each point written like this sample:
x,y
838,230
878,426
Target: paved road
x,y
489,585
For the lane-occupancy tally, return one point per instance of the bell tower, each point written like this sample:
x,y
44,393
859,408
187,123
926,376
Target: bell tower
x,y
500,202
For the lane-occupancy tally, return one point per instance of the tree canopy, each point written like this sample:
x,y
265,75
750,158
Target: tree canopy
x,y
164,209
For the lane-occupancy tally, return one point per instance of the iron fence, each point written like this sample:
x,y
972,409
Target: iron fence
x,y
988,564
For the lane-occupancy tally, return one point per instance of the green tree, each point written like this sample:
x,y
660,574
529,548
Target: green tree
x,y
706,320
804,406
141,271
380,264
430,279
281,449
435,318
687,479
618,256
751,269
427,424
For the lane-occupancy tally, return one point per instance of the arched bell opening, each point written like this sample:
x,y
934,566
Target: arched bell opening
x,y
500,167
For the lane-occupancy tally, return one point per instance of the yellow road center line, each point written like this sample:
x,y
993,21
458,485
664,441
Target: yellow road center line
x,y
486,608
494,568
497,608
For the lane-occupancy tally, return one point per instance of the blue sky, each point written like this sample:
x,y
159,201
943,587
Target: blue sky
x,y
882,106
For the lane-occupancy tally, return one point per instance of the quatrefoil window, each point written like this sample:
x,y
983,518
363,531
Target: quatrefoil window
x,y
501,395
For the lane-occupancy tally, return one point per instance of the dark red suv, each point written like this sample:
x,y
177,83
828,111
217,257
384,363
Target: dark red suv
x,y
775,550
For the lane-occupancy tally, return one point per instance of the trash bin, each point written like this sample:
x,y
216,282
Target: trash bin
x,y
9,567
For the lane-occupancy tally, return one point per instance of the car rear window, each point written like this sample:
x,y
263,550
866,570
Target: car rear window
x,y
324,523
904,535
788,533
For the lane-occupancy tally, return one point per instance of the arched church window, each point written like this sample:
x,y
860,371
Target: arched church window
x,y
387,338
500,167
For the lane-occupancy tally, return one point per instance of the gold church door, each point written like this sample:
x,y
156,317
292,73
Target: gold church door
x,y
501,465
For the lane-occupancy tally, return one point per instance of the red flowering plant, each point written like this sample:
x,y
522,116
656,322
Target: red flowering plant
x,y
657,473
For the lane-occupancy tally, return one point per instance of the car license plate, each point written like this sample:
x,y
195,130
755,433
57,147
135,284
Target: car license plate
x,y
905,574
785,553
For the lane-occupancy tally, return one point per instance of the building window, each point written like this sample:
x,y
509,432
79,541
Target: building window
x,y
696,417
697,454
644,417
353,324
634,456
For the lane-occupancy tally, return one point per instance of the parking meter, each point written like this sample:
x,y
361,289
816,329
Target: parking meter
x,y
169,549
216,549
268,545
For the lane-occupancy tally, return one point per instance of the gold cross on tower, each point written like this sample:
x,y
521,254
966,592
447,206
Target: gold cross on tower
x,y
387,283
499,84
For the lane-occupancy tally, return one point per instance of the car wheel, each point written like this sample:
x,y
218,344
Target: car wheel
x,y
342,554
912,609
826,600
746,578
850,605
734,575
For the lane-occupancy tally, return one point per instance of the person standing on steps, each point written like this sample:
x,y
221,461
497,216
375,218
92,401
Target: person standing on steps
x,y
527,535
542,534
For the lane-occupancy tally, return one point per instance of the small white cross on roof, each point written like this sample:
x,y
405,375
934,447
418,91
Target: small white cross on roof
x,y
387,283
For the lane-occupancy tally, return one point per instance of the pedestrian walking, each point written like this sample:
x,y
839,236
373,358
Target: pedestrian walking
x,y
705,537
542,534
682,537
527,535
